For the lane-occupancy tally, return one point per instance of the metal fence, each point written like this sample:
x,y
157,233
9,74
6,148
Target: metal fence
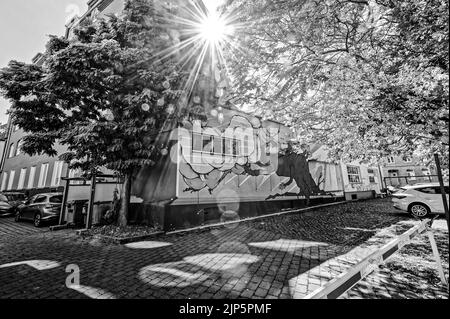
x,y
399,181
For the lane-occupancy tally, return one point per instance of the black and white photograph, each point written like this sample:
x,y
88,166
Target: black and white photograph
x,y
228,155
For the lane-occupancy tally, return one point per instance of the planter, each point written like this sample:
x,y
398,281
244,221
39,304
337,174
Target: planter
x,y
126,240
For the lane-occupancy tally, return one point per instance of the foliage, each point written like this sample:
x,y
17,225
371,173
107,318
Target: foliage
x,y
102,93
366,78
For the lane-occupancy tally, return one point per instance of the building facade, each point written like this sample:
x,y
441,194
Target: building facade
x,y
399,171
41,173
231,166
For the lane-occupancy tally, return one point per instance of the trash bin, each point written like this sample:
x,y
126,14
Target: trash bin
x,y
76,212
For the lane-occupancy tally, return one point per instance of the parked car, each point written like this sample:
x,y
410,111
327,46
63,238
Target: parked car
x,y
41,208
10,201
420,200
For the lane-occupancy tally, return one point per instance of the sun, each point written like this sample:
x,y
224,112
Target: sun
x,y
206,32
213,28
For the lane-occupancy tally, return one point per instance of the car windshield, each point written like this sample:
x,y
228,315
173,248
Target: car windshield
x,y
3,198
55,199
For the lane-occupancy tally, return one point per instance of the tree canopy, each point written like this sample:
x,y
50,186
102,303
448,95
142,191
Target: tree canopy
x,y
102,93
366,78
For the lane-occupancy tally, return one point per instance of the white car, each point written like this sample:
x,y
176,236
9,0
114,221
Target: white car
x,y
420,200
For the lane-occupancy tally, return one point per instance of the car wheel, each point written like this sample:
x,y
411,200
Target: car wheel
x,y
419,210
37,220
17,217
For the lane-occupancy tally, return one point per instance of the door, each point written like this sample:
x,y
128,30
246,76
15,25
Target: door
x,y
439,205
32,208
393,180
431,196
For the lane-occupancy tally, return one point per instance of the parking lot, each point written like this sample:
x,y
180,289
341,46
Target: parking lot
x,y
9,229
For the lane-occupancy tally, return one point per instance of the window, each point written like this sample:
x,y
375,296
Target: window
x,y
11,150
4,180
3,198
31,177
390,159
371,179
425,171
196,142
22,175
427,190
207,143
40,199
236,147
43,175
227,146
19,147
411,174
370,171
217,147
353,174
57,171
438,190
407,159
55,199
16,197
12,174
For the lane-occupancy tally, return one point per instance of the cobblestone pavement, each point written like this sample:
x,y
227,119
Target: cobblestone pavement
x,y
409,273
276,257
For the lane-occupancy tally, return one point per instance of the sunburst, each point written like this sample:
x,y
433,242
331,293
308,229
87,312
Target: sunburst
x,y
206,32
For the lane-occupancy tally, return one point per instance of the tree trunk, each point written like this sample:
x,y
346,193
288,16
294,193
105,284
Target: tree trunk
x,y
125,200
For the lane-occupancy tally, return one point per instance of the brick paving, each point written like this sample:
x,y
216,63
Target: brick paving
x,y
279,257
410,273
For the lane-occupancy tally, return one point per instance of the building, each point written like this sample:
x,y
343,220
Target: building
x,y
41,173
233,166
3,137
403,170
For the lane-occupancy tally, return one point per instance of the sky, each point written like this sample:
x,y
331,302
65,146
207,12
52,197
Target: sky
x,y
25,26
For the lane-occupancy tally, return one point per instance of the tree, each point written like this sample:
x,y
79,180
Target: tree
x,y
366,78
103,94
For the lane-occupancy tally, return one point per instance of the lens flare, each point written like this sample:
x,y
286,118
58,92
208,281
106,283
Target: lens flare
x,y
206,30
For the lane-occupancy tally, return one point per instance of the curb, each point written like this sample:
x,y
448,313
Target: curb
x,y
286,212
59,227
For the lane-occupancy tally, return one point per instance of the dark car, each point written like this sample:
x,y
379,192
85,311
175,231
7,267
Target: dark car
x,y
41,208
10,201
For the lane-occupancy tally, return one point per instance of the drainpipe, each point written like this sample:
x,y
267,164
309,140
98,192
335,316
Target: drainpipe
x,y
66,192
381,176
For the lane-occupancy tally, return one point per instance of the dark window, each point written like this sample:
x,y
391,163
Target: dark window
x,y
207,144
56,199
438,190
372,179
14,197
40,199
427,190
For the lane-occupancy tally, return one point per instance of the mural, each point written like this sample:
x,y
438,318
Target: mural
x,y
244,147
208,154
